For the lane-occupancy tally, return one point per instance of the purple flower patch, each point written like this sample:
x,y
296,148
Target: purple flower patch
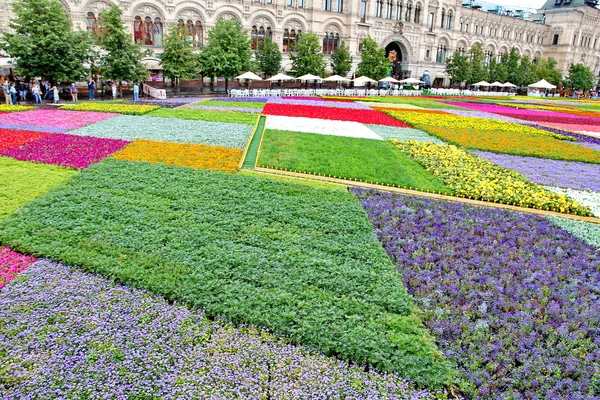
x,y
566,174
511,298
69,151
319,103
222,108
34,128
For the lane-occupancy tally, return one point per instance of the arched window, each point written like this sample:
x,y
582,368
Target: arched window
x,y
138,29
254,37
408,16
158,32
149,30
290,39
91,24
488,57
199,35
418,14
258,36
194,32
441,54
330,42
399,11
443,20
449,20
181,27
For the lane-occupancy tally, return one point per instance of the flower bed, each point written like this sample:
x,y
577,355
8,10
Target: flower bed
x,y
476,178
54,118
21,182
365,160
6,108
232,104
33,128
222,108
229,244
15,138
389,132
587,231
362,116
120,108
170,130
138,345
318,103
206,115
199,156
66,150
587,198
574,175
511,298
321,126
156,103
11,264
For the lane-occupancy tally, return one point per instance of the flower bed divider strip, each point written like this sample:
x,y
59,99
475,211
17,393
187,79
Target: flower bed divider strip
x,y
250,155
370,185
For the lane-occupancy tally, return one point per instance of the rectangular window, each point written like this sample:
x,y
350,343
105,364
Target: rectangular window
x,y
398,11
428,54
430,21
595,43
575,40
363,11
300,3
340,6
288,3
327,5
378,8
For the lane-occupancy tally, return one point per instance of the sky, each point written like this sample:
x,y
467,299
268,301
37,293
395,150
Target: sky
x,y
514,4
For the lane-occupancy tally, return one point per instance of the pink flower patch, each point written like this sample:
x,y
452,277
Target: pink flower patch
x,y
55,118
69,151
11,264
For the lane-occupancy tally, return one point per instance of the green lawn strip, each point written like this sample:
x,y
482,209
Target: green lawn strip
x,y
23,181
348,158
236,104
425,103
251,154
300,261
206,115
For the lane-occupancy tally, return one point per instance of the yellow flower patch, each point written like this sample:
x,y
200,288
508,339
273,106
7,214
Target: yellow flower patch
x,y
476,178
126,109
198,156
15,108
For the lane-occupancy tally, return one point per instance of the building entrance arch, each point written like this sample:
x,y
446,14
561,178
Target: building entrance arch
x,y
399,52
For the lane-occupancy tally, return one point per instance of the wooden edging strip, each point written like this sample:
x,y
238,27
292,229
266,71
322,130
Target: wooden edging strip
x,y
424,194
249,141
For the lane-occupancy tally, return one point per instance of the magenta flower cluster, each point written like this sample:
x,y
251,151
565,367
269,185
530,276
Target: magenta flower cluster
x,y
319,103
69,151
54,118
11,264
512,299
67,334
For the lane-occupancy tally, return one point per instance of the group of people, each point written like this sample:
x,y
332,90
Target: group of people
x,y
16,92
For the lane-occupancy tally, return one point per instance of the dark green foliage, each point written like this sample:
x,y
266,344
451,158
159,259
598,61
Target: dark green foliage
x,y
341,60
309,57
300,261
178,60
373,61
44,42
269,57
547,69
459,68
581,77
344,157
479,71
526,72
121,60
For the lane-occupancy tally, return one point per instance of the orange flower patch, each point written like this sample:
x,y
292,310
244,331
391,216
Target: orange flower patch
x,y
199,156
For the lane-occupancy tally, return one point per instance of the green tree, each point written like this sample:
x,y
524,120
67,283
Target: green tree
x,y
178,59
526,74
341,60
309,57
269,57
373,61
511,63
227,51
580,77
459,68
546,69
121,59
479,71
45,44
501,70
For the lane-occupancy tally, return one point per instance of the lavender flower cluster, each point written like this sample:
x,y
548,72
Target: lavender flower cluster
x,y
567,174
243,99
580,137
319,103
65,333
511,298
224,108
481,114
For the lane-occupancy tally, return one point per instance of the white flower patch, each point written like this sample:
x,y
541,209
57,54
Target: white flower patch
x,y
322,126
587,198
392,105
594,134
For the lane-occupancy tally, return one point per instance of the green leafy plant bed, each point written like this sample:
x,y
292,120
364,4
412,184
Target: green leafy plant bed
x,y
300,261
206,115
23,181
359,159
234,104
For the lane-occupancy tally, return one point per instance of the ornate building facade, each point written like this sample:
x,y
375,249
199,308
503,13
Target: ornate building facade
x,y
421,34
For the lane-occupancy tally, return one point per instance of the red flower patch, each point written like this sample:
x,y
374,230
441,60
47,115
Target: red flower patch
x,y
541,118
10,138
362,116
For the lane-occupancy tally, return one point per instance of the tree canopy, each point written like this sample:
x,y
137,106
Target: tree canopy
x,y
178,59
458,68
45,44
373,61
121,59
581,77
309,57
479,70
547,69
341,60
269,57
227,51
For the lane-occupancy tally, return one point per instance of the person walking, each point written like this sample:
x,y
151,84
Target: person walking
x,y
91,88
6,91
55,94
22,91
36,94
136,92
73,92
114,91
47,91
13,93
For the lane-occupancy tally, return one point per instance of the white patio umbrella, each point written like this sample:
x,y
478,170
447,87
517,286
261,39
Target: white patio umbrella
x,y
508,84
281,77
482,83
251,76
389,79
496,84
336,78
309,77
411,81
363,79
543,84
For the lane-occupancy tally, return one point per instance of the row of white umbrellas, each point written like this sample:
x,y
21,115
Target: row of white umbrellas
x,y
334,78
495,84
